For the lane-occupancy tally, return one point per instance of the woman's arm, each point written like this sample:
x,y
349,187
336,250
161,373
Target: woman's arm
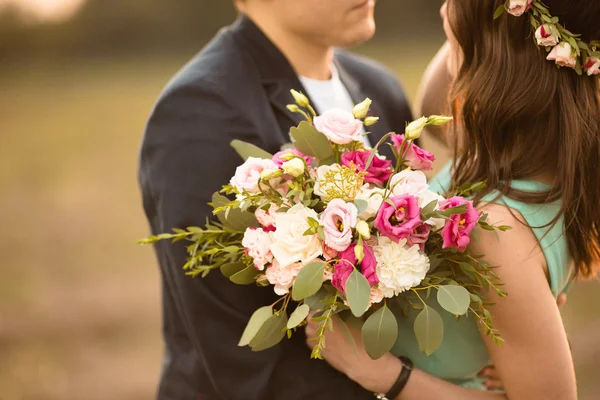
x,y
535,361
432,98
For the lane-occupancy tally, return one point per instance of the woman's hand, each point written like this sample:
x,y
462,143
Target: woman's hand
x,y
373,375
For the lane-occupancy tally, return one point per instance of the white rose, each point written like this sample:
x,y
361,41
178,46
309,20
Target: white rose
x,y
399,267
374,197
289,243
339,182
248,174
592,66
339,126
546,35
563,55
409,182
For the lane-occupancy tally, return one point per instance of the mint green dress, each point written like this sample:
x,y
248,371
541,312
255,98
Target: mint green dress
x,y
462,354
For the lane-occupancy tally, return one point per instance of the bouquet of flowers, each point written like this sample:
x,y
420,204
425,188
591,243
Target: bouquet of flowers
x,y
338,230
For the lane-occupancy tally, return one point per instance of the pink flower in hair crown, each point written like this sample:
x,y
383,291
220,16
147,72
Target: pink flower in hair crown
x,y
563,55
546,35
592,66
519,7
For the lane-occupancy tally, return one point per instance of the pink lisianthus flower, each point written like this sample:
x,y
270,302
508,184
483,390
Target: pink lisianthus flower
x,y
257,243
398,221
457,231
279,161
338,219
419,236
346,264
339,126
415,157
519,7
378,172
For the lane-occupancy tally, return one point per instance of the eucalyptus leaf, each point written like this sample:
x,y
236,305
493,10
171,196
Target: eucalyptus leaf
x,y
310,141
454,299
314,301
247,276
270,333
234,218
257,320
347,333
298,316
429,330
380,332
247,150
308,281
358,293
361,205
233,268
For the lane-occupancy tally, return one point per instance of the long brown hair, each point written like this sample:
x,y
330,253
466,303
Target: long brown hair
x,y
523,117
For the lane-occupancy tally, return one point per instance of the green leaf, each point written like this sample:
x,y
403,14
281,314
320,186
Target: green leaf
x,y
270,333
247,276
235,219
361,205
347,333
314,301
380,332
233,268
247,150
429,208
454,299
429,330
358,293
499,11
298,316
310,141
308,281
257,320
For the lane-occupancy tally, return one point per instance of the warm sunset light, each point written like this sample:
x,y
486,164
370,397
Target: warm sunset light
x,y
47,9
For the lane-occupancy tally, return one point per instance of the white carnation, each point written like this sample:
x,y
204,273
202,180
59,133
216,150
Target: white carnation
x,y
399,267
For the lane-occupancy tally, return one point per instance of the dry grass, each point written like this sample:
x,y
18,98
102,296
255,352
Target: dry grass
x,y
79,302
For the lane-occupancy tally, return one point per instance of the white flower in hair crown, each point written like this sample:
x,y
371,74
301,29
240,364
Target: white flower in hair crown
x,y
565,48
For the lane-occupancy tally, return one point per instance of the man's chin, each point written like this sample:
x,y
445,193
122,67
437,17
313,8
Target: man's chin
x,y
357,37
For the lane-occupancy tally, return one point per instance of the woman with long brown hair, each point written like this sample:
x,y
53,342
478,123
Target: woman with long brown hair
x,y
532,132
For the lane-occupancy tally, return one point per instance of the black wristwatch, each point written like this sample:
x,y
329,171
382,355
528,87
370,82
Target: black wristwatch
x,y
407,367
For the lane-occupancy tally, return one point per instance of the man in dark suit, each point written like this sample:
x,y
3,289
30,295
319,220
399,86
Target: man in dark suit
x,y
238,87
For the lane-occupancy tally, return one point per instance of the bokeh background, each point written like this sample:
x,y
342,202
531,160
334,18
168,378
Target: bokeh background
x,y
79,301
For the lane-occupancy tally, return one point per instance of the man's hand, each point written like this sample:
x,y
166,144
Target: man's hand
x,y
490,374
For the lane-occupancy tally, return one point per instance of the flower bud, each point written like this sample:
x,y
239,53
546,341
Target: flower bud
x,y
360,110
371,121
439,120
414,129
294,167
363,229
293,108
300,98
269,174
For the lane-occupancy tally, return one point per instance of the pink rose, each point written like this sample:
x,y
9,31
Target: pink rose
x,y
415,157
457,231
519,7
546,35
247,175
257,243
339,126
279,161
348,261
378,172
338,219
420,236
398,221
563,55
592,66
329,253
282,278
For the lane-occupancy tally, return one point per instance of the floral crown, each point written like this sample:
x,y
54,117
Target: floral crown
x,y
565,48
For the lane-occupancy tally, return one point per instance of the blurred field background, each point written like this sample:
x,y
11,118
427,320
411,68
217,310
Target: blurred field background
x,y
79,301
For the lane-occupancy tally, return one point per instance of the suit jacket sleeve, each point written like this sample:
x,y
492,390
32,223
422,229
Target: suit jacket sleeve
x,y
185,158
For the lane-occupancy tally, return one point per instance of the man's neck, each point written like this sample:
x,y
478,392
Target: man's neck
x,y
309,59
